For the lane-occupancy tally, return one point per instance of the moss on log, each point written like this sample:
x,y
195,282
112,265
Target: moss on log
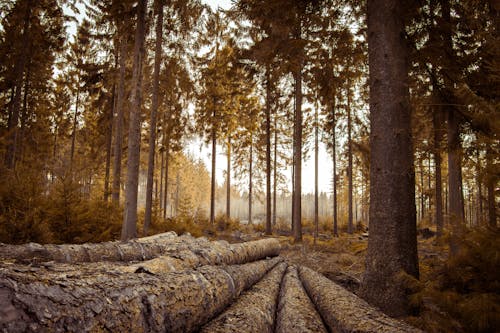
x,y
44,300
296,312
254,310
343,311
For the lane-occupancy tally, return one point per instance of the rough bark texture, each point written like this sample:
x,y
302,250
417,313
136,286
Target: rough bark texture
x,y
296,312
297,161
392,245
46,301
254,311
350,226
268,151
118,146
129,229
181,252
154,111
343,311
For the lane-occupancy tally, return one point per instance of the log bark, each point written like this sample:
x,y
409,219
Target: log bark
x,y
296,312
184,251
46,300
343,311
254,311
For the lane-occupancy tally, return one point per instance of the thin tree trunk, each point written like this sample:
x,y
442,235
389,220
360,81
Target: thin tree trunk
x,y
455,194
118,148
165,191
15,105
316,206
129,229
228,180
162,170
177,193
268,151
212,184
422,198
75,122
275,163
437,172
154,111
350,227
392,246
250,184
297,207
479,185
492,180
334,158
109,139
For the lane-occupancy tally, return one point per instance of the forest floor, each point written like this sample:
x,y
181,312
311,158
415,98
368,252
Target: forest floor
x,y
442,306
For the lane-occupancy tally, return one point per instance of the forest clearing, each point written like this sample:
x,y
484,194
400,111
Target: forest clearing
x,y
249,165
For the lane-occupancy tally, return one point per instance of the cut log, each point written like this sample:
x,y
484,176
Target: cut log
x,y
178,252
50,301
343,311
254,310
296,312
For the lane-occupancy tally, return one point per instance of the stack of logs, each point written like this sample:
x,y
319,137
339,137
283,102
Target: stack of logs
x,y
170,283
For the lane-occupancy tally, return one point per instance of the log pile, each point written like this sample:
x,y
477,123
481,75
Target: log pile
x,y
170,283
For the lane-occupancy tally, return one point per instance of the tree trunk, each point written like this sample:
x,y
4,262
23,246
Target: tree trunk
x,y
162,172
492,180
455,194
212,184
316,206
75,122
138,302
268,151
350,227
422,185
479,185
392,246
228,180
297,142
15,105
250,184
118,148
129,229
296,312
334,158
343,311
254,311
275,163
154,111
109,142
437,172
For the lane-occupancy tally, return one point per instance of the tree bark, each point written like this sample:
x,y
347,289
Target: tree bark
x,y
109,142
492,180
275,163
129,229
342,311
154,112
334,158
47,300
350,227
392,246
455,194
183,252
75,122
15,105
296,312
316,206
268,151
254,311
297,142
228,180
167,164
212,183
437,172
118,147
250,184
